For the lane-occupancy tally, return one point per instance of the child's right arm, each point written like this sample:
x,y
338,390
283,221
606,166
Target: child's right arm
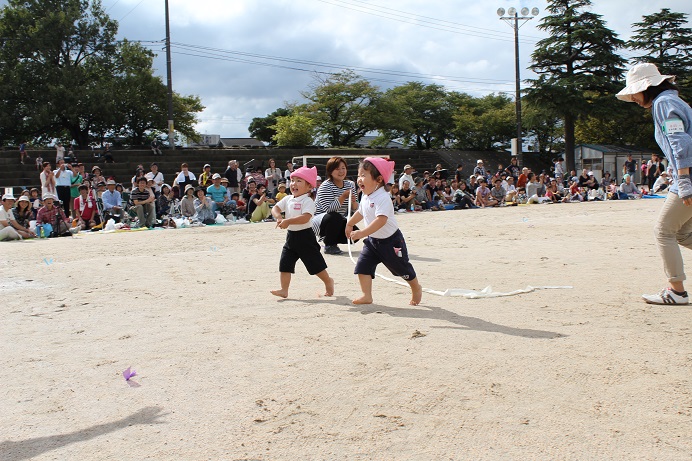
x,y
352,221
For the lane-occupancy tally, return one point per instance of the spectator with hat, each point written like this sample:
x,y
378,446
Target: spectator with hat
x,y
96,175
23,212
219,196
10,229
142,199
205,178
187,204
281,191
479,170
406,176
203,210
112,202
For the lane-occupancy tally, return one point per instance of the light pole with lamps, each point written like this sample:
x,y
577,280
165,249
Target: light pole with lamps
x,y
171,129
513,19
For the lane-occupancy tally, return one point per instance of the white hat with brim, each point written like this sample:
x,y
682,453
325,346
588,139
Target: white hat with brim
x,y
8,197
641,77
49,196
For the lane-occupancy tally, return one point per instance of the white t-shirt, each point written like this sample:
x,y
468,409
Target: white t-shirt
x,y
377,204
158,179
297,206
6,216
65,178
405,177
287,174
59,152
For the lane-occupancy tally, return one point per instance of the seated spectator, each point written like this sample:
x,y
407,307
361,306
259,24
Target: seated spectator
x,y
184,178
53,218
96,175
554,192
10,229
498,193
463,197
431,193
35,200
575,193
205,177
142,201
523,178
483,197
585,179
394,195
521,198
281,191
249,190
447,195
628,189
112,202
511,189
85,209
219,196
473,185
258,206
479,170
23,212
164,201
407,198
421,195
240,205
661,183
532,185
203,207
139,173
606,181
187,204
156,147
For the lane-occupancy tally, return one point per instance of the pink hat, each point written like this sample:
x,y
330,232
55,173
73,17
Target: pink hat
x,y
383,165
307,174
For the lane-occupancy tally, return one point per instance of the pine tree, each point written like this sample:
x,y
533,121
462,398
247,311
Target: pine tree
x,y
578,66
665,42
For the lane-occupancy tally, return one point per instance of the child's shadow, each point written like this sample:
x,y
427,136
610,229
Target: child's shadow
x,y
464,322
339,300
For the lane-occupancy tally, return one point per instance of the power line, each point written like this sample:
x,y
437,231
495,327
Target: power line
x,y
135,7
423,22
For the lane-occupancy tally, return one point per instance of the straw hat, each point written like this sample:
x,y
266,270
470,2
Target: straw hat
x,y
641,77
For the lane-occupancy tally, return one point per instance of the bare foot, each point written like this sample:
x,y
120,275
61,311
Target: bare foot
x,y
416,295
363,300
329,287
280,293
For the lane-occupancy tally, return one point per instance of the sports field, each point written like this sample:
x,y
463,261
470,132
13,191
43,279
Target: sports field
x,y
226,371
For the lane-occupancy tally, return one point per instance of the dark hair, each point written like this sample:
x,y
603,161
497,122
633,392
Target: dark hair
x,y
332,164
650,93
366,165
83,187
235,194
45,164
166,186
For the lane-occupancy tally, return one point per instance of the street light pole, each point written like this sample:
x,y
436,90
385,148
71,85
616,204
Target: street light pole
x,y
171,127
513,19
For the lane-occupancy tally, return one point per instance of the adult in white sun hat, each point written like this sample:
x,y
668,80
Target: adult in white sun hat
x,y
673,132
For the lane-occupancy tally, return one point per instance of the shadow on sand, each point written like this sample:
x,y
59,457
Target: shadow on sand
x,y
30,448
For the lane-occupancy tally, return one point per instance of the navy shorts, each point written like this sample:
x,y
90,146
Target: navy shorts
x,y
383,251
302,245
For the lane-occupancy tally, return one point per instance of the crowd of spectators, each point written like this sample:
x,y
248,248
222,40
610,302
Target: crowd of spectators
x,y
71,200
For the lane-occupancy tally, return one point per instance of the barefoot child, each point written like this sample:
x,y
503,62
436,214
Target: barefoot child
x,y
300,239
385,242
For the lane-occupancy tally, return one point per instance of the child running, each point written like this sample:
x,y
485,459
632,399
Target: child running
x,y
385,242
300,239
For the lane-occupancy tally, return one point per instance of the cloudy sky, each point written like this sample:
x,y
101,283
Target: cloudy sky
x,y
245,58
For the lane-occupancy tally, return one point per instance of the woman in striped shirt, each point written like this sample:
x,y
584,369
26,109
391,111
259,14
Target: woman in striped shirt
x,y
329,222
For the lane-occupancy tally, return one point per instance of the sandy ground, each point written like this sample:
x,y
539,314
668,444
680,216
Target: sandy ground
x,y
226,371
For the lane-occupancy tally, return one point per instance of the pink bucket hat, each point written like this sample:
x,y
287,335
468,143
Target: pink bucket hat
x,y
383,165
307,174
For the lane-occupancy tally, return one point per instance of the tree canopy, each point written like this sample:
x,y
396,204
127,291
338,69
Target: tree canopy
x,y
66,76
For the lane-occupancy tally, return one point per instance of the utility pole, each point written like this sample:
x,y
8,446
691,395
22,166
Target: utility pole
x,y
171,126
513,19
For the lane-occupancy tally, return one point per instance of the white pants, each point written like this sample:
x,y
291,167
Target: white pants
x,y
9,233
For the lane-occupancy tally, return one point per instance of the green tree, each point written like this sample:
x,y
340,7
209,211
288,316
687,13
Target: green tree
x,y
141,103
261,127
666,42
344,108
483,123
62,52
546,129
577,64
419,114
295,130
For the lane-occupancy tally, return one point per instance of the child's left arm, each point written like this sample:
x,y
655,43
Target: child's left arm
x,y
374,226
